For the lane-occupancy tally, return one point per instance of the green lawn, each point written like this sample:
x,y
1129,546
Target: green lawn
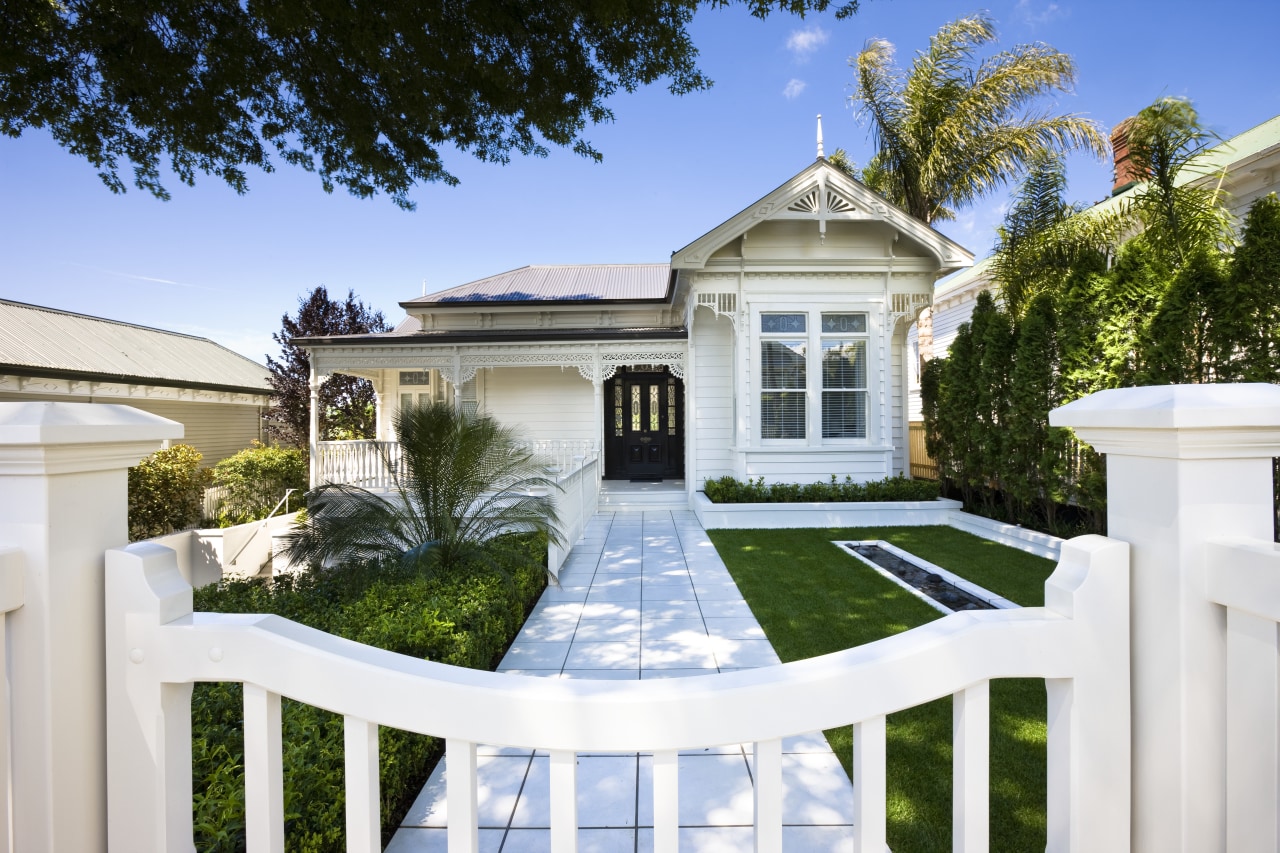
x,y
811,598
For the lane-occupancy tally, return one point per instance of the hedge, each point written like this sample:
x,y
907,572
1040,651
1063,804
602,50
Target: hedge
x,y
730,490
166,492
465,618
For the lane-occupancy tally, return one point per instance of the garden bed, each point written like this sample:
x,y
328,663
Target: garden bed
x,y
715,516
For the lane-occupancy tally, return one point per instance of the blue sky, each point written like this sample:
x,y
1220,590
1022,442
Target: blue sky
x,y
227,267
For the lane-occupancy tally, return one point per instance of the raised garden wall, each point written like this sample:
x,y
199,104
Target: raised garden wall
x,y
942,511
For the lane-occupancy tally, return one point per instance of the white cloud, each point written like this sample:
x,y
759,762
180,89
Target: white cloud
x,y
793,89
804,42
1034,16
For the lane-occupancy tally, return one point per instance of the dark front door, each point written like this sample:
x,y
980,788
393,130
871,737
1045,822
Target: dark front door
x,y
644,425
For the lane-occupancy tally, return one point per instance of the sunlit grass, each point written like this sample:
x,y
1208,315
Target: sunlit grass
x,y
812,598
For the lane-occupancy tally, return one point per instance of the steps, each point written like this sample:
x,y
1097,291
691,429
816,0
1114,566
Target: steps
x,y
625,496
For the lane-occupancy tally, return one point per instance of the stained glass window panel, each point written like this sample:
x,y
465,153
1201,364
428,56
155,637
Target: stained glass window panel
x,y
844,324
787,324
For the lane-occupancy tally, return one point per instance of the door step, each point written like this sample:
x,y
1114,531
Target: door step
x,y
624,496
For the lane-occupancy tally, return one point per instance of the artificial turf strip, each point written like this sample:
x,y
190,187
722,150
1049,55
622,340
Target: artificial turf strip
x,y
812,599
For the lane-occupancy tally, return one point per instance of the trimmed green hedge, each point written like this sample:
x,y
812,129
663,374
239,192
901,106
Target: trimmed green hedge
x,y
255,480
465,618
730,490
166,492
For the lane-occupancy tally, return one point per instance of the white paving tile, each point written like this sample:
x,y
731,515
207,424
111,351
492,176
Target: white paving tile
x,y
642,596
543,655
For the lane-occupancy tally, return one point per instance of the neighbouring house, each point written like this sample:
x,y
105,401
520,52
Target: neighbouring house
x,y
773,345
1247,165
217,395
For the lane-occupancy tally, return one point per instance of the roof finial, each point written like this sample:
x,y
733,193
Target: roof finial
x,y
820,154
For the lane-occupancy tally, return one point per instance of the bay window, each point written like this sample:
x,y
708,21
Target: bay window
x,y
827,403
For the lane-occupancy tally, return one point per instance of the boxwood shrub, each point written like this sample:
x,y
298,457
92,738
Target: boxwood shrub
x,y
465,618
730,490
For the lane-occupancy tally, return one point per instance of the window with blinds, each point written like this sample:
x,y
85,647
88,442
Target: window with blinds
x,y
784,349
844,375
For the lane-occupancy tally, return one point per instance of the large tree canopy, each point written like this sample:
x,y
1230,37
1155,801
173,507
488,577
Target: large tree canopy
x,y
363,92
955,127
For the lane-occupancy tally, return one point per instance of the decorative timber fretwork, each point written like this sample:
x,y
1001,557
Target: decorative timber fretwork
x,y
723,304
907,306
815,201
458,363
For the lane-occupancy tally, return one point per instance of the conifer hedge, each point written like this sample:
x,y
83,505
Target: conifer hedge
x,y
1141,320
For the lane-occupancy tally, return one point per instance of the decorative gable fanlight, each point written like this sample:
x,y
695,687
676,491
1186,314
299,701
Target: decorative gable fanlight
x,y
822,202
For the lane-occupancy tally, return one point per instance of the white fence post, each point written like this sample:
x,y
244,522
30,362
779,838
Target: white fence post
x,y
63,503
1184,464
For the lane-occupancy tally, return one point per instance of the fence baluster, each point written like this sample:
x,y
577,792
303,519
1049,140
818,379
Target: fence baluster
x,y
364,813
666,801
564,801
263,771
767,769
971,748
461,796
1252,748
869,790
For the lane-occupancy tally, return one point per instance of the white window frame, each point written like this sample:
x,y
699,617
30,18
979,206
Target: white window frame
x,y
784,337
814,337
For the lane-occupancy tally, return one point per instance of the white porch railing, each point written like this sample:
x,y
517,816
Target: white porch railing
x,y
364,463
357,463
576,502
156,648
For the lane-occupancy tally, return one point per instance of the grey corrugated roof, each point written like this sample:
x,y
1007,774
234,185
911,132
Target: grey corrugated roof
x,y
49,340
562,283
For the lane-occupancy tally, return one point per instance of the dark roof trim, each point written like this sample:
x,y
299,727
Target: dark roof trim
x,y
82,376
515,335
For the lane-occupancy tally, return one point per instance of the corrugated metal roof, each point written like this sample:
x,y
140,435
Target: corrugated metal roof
x,y
52,340
562,283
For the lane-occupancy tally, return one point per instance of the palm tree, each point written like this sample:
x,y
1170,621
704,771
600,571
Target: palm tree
x,y
1181,217
462,482
1044,239
954,128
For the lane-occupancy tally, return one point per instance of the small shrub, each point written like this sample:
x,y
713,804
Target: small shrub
x,y
465,617
166,492
730,490
255,480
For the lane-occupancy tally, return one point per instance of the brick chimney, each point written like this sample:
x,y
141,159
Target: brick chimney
x,y
1126,172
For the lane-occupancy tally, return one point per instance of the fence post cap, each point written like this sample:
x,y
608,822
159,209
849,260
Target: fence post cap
x,y
1174,407
1182,421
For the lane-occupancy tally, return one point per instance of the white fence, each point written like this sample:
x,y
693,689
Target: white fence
x,y
575,504
1163,709
11,595
156,648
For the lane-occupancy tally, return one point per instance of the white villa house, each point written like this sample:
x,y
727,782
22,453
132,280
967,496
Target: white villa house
x,y
773,345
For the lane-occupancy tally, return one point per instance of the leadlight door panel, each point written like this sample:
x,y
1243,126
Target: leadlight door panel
x,y
645,425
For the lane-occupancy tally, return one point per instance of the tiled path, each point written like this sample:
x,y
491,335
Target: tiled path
x,y
643,595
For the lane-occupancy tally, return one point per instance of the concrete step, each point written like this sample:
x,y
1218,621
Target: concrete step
x,y
638,497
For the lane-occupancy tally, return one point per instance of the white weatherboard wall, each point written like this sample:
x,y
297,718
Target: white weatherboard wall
x,y
711,400
63,503
544,403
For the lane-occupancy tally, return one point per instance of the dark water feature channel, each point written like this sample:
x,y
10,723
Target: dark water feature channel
x,y
931,584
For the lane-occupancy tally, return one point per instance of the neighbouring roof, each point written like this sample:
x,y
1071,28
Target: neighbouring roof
x,y
38,341
572,283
